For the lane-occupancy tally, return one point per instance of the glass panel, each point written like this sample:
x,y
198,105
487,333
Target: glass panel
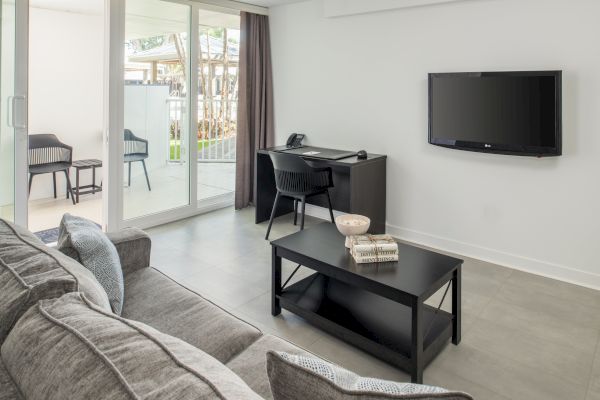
x,y
156,119
217,103
7,91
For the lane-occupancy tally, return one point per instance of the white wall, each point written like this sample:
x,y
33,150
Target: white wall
x,y
360,82
65,85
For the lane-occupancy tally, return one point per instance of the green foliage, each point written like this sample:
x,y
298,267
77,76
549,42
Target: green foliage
x,y
150,43
175,147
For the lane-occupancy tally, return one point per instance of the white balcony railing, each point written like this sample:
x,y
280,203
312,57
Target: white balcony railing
x,y
216,134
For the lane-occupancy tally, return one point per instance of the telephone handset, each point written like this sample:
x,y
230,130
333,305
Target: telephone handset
x,y
295,140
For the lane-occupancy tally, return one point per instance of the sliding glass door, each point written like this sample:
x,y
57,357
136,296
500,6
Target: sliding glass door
x,y
172,102
13,111
156,176
218,65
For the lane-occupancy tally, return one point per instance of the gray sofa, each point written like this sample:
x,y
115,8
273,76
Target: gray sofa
x,y
151,298
60,340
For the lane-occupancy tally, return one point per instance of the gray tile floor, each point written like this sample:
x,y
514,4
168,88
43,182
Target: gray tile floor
x,y
524,336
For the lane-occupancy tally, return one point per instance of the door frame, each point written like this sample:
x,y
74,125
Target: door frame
x,y
19,111
114,114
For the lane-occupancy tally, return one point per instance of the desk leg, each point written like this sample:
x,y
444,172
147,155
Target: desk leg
x,y
265,191
275,282
456,306
416,354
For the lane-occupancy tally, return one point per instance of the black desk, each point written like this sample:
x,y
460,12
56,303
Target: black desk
x,y
359,187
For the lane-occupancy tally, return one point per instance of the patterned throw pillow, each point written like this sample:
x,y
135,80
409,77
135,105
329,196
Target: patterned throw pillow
x,y
82,239
295,377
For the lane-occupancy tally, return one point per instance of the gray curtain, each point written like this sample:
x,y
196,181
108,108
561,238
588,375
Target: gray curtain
x,y
255,103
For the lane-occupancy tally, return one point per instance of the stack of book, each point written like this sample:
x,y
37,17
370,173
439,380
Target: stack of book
x,y
373,248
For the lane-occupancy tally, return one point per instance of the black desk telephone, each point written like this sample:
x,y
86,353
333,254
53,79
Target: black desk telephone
x,y
295,140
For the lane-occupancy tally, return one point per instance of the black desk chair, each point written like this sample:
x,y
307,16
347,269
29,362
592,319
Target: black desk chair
x,y
296,179
47,155
136,149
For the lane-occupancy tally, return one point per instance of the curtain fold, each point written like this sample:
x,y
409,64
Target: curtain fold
x,y
255,127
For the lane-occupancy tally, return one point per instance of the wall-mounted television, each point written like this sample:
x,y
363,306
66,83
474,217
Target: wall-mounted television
x,y
497,112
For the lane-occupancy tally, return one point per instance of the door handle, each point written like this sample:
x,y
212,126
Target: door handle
x,y
10,117
14,123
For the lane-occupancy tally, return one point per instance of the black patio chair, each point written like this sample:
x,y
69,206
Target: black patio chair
x,y
136,149
296,179
48,155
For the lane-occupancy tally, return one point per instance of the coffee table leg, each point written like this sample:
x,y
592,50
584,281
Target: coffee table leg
x,y
416,355
275,282
456,306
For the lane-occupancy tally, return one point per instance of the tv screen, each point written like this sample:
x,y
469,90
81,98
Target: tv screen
x,y
497,112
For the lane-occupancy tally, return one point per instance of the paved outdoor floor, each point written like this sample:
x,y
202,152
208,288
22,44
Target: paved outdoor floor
x,y
168,191
524,336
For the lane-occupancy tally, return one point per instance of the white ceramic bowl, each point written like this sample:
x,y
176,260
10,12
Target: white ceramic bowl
x,y
352,224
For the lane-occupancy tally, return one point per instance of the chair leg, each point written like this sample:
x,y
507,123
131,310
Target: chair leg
x,y
330,207
303,212
129,174
146,173
30,182
54,182
295,211
69,187
277,196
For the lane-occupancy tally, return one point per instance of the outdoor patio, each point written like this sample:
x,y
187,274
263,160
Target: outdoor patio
x,y
168,191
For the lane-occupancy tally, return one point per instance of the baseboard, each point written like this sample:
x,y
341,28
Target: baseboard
x,y
320,212
514,261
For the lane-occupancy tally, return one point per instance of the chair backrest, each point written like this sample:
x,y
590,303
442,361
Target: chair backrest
x,y
293,175
47,149
134,145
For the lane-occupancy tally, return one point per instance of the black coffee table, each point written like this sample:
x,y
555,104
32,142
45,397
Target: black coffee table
x,y
376,307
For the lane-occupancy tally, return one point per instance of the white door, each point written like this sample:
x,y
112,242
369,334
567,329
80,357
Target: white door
x,y
13,110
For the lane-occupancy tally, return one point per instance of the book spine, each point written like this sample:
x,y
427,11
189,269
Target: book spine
x,y
365,260
373,247
374,253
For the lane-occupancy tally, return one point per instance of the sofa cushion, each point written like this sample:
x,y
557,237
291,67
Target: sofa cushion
x,y
251,364
67,348
31,271
299,377
154,299
8,389
96,252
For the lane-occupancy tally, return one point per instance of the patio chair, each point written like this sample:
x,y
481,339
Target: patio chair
x,y
296,179
136,149
47,155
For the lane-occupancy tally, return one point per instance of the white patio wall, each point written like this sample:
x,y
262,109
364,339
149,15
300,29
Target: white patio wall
x,y
65,84
147,116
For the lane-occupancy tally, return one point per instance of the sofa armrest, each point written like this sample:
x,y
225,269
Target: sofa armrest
x,y
133,246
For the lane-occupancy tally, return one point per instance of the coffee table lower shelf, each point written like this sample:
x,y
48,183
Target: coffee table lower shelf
x,y
373,323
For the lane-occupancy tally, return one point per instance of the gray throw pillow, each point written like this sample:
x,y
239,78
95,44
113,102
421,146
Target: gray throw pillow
x,y
31,271
81,237
296,377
